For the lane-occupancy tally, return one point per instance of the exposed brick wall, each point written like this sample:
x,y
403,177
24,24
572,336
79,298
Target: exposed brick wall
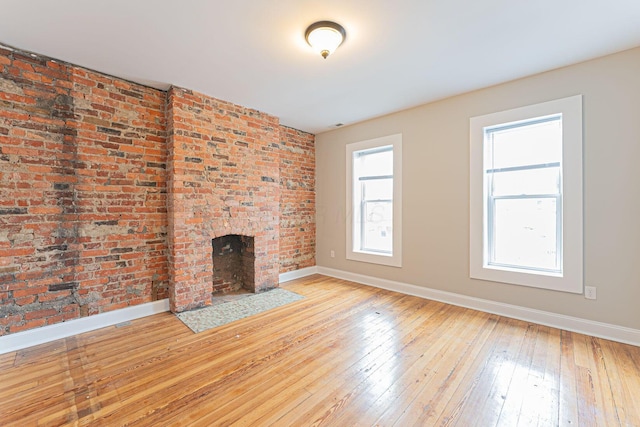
x,y
86,161
224,179
297,200
83,192
120,192
38,226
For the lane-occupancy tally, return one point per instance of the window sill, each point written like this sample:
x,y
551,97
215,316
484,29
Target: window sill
x,y
375,258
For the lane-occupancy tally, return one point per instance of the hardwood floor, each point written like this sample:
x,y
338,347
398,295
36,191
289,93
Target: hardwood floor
x,y
345,355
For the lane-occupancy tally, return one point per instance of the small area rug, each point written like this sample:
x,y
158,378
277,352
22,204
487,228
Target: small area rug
x,y
217,315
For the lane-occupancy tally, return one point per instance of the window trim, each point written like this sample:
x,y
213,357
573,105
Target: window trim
x,y
571,279
395,258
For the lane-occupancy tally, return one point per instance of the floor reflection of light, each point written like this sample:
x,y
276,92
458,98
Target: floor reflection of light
x,y
525,391
378,342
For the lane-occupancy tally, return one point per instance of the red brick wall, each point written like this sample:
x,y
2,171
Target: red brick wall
x,y
121,192
38,248
82,193
84,166
224,179
297,200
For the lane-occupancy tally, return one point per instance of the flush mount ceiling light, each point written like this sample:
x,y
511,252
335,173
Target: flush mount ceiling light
x,y
325,37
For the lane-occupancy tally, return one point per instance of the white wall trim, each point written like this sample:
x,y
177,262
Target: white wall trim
x,y
574,324
21,340
31,337
297,274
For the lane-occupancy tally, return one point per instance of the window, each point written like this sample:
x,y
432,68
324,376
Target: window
x,y
374,200
522,181
526,196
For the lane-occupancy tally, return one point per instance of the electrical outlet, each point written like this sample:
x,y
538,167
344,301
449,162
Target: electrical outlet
x,y
333,254
590,292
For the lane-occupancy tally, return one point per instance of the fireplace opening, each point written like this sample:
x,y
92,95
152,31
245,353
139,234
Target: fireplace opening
x,y
233,264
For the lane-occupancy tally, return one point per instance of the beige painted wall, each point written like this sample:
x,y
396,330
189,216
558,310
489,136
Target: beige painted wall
x,y
436,189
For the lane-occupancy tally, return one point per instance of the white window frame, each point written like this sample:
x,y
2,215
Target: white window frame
x,y
352,206
571,277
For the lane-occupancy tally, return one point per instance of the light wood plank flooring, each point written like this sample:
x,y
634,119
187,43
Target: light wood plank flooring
x,y
345,355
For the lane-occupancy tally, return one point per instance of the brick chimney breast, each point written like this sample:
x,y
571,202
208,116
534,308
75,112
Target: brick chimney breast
x,y
223,179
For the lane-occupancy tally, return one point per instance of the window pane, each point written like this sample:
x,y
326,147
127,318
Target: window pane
x,y
373,221
378,189
373,162
526,145
525,233
377,226
531,181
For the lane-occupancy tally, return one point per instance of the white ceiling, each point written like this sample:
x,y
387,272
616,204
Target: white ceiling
x,y
397,54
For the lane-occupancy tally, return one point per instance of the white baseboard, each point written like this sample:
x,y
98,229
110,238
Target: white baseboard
x,y
574,324
297,274
20,340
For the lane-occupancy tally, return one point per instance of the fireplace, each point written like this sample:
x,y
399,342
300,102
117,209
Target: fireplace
x,y
223,174
233,264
